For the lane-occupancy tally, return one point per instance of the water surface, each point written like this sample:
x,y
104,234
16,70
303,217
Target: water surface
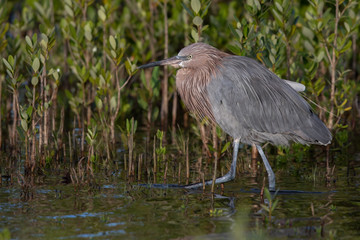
x,y
116,209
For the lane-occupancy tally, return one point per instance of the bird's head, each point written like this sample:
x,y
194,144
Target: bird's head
x,y
194,55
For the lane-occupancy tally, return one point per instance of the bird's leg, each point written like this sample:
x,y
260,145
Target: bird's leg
x,y
227,177
268,169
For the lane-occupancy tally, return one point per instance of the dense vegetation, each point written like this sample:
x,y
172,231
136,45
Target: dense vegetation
x,y
70,90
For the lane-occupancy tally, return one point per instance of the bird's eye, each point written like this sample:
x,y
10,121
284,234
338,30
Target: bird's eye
x,y
189,57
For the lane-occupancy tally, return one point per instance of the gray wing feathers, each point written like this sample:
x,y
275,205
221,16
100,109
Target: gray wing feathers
x,y
251,102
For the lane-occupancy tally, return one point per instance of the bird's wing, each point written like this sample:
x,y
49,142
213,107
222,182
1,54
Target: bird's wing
x,y
247,98
296,86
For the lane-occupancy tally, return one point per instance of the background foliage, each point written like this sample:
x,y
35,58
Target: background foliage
x,y
65,85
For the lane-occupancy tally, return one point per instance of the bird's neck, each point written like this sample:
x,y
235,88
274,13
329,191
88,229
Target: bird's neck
x,y
191,85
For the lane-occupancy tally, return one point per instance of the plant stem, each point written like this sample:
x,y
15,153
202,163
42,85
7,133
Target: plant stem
x,y
46,110
204,138
174,114
15,114
254,154
114,115
288,55
154,156
187,160
41,125
1,81
139,166
215,145
333,63
165,100
131,147
33,130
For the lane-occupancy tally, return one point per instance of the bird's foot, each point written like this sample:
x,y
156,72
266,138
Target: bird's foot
x,y
226,178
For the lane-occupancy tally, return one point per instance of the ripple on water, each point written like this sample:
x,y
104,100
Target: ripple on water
x,y
80,215
98,234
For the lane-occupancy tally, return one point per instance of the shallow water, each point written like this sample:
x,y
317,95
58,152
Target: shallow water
x,y
119,210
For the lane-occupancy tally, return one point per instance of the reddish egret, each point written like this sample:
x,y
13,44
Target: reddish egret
x,y
249,102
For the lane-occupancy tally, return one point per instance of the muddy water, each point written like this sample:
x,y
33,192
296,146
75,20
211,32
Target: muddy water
x,y
118,210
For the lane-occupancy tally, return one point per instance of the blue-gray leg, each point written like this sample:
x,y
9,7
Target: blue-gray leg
x,y
227,177
268,169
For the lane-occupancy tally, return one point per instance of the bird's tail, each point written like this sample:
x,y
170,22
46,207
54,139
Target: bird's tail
x,y
316,132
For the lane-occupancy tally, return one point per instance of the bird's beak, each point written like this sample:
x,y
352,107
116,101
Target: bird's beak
x,y
173,61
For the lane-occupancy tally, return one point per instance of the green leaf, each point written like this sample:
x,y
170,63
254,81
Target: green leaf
x,y
187,9
343,103
42,58
195,5
308,46
155,114
88,34
232,29
272,59
7,64
23,114
28,41
102,81
307,32
9,73
113,54
346,47
211,148
29,110
194,35
34,38
143,104
69,11
278,17
331,37
320,56
347,109
226,146
11,60
128,67
21,132
267,194
257,4
112,42
135,126
34,81
102,15
197,21
50,72
56,75
239,33
24,125
36,65
273,206
218,132
113,103
265,207
44,38
128,126
234,49
279,7
204,12
250,3
98,103
159,134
